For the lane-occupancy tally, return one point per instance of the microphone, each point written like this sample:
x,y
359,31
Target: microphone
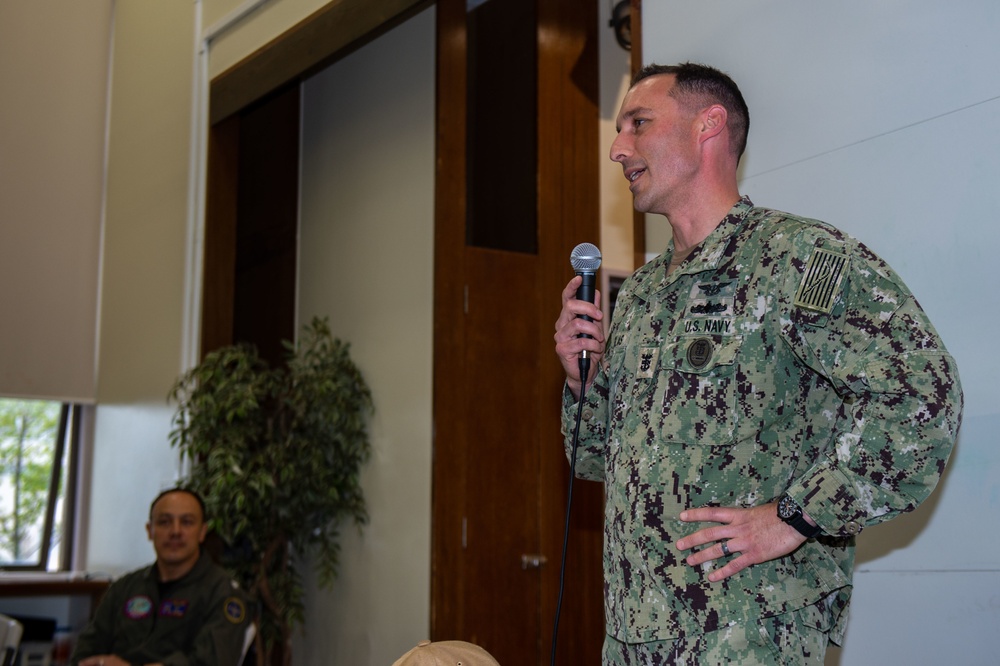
x,y
585,260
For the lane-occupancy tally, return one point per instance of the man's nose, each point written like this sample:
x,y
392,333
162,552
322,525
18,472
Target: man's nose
x,y
619,149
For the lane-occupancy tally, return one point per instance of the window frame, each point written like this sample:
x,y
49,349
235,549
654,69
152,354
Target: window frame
x,y
67,434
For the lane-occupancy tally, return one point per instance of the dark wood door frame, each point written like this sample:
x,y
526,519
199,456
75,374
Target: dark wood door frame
x,y
329,34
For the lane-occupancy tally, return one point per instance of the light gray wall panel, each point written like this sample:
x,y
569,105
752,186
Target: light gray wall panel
x,y
366,248
923,619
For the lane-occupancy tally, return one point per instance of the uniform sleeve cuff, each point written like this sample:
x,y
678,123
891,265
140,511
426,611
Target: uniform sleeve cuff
x,y
828,497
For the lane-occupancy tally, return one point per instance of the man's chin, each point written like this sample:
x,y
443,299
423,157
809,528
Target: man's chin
x,y
640,202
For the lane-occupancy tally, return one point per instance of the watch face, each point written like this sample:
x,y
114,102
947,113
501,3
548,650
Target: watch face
x,y
787,508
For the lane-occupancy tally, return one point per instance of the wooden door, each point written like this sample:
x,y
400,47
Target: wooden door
x,y
500,474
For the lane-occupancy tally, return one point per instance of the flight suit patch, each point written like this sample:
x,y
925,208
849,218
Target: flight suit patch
x,y
235,610
138,607
174,607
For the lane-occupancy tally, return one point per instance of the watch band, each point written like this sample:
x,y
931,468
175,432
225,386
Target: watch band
x,y
791,513
802,525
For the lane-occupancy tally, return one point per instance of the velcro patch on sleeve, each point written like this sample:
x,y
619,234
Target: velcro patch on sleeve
x,y
821,280
235,610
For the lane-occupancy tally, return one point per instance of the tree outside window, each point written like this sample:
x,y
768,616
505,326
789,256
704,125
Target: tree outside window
x,y
32,460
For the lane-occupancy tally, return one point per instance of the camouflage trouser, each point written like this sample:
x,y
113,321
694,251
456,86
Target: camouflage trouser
x,y
788,639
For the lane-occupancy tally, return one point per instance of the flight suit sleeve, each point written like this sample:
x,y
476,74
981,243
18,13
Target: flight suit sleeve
x,y
901,394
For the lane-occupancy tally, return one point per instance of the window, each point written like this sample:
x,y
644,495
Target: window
x,y
37,453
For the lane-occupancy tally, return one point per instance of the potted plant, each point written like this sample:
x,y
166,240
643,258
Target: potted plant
x,y
276,453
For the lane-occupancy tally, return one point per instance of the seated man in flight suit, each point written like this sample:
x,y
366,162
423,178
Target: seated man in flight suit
x,y
182,610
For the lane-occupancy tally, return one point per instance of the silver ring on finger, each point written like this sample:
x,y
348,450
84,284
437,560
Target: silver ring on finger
x,y
725,548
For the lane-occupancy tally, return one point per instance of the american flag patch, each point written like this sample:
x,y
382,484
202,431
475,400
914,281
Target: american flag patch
x,y
821,281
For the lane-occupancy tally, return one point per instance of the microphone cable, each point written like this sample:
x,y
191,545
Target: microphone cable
x,y
584,362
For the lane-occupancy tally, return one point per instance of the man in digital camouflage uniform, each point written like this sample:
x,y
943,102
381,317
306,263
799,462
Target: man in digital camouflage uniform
x,y
768,389
183,610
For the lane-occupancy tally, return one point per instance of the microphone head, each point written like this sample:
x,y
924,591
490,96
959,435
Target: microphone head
x,y
585,258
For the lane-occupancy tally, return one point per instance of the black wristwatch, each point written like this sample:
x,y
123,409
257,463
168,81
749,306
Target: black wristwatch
x,y
791,513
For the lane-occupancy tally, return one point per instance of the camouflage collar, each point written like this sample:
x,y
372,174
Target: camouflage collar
x,y
707,255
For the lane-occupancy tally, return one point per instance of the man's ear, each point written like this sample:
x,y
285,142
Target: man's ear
x,y
149,531
713,121
203,533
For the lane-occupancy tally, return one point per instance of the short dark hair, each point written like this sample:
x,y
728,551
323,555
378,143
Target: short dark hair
x,y
704,85
179,489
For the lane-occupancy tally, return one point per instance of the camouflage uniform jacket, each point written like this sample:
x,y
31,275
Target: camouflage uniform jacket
x,y
781,356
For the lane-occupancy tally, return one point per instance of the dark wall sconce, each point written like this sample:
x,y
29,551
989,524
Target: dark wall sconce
x,y
621,23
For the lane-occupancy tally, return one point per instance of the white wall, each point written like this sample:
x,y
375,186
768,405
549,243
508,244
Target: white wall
x,y
366,261
881,118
